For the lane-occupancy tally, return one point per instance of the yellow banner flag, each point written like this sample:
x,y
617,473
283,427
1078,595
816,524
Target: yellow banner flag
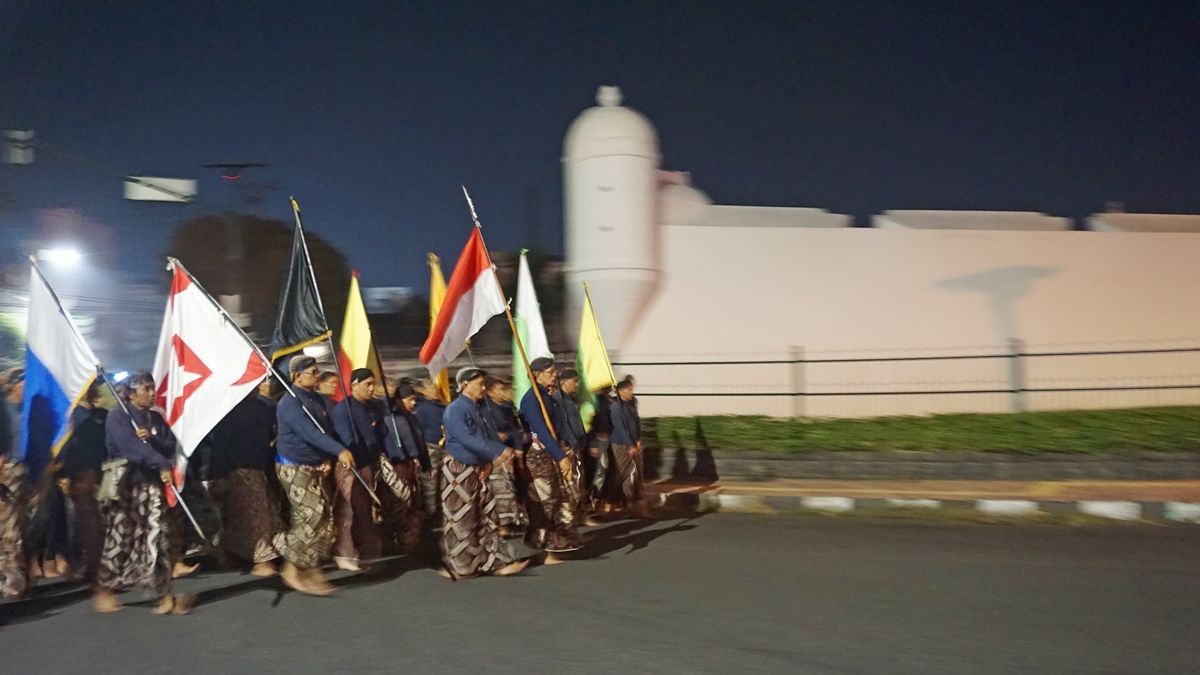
x,y
591,360
355,349
437,293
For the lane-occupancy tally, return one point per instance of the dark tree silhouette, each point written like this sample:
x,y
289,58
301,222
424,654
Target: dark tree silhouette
x,y
204,245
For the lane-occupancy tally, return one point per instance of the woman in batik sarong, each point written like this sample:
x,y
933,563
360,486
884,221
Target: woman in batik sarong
x,y
136,551
627,449
470,532
304,451
552,493
243,483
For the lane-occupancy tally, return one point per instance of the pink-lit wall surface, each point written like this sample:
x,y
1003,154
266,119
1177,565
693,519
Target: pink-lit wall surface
x,y
781,293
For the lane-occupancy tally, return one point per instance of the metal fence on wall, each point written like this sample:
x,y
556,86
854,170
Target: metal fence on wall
x,y
1011,379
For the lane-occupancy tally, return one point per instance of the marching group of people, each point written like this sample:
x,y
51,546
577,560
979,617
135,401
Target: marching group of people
x,y
299,480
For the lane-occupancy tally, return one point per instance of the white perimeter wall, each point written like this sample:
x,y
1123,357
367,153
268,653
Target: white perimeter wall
x,y
755,292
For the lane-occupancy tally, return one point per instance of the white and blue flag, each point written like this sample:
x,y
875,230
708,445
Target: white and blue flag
x,y
59,368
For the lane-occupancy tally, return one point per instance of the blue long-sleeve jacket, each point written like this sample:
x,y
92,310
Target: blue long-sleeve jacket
x,y
468,436
429,413
531,412
300,441
412,441
626,425
569,424
365,439
503,420
154,455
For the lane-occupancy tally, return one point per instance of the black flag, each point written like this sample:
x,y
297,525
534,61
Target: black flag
x,y
301,320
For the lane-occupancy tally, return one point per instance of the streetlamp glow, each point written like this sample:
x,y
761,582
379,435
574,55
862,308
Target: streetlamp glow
x,y
64,256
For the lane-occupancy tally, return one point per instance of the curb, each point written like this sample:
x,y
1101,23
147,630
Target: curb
x,y
684,464
1179,512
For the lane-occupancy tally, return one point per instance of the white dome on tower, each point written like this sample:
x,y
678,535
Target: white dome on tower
x,y
608,129
610,173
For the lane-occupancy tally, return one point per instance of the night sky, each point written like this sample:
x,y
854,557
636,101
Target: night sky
x,y
373,114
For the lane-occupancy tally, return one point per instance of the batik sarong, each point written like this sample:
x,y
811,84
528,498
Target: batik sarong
x,y
470,531
14,517
597,463
552,509
354,533
136,551
431,491
309,534
400,512
510,512
628,472
88,526
251,513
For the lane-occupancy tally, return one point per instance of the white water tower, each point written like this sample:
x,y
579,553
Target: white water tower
x,y
610,173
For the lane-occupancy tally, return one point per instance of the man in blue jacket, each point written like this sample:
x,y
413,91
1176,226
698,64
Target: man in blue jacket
x,y
361,427
470,530
552,493
305,449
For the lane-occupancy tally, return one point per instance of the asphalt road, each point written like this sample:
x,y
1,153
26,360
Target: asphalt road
x,y
715,593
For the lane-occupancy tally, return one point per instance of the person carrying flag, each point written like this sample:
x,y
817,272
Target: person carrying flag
x,y
551,494
138,531
471,542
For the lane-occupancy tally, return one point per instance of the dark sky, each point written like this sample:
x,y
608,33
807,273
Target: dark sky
x,y
373,114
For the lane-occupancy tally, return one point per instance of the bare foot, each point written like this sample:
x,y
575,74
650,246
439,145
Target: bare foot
x,y
316,583
165,605
182,569
264,569
552,559
183,603
512,568
591,522
105,602
291,577
445,572
64,567
348,564
35,570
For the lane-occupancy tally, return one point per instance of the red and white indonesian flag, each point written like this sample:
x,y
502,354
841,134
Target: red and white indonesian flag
x,y
472,298
204,365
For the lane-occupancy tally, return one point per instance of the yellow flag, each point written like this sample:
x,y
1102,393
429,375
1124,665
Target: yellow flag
x,y
355,349
591,359
437,293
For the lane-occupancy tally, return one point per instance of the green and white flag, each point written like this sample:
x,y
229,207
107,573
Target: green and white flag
x,y
530,328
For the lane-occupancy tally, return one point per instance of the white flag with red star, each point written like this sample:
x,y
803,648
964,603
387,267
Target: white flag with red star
x,y
204,365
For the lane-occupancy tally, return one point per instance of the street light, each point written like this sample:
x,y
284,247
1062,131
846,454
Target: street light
x,y
63,256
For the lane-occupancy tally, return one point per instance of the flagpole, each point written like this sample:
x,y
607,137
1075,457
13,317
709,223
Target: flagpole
x,y
599,333
337,367
171,483
512,325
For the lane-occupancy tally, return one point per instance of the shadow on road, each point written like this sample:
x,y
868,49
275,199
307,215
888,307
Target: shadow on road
x,y
43,605
634,535
50,598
